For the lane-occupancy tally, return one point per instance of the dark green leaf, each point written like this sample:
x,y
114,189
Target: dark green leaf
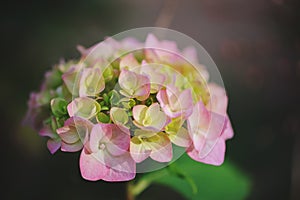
x,y
213,183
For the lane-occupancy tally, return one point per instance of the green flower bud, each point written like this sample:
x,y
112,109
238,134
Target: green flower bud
x,y
58,107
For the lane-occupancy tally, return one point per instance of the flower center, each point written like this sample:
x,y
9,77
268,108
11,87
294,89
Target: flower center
x,y
101,146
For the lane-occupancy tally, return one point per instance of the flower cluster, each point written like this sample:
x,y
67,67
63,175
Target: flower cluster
x,y
120,108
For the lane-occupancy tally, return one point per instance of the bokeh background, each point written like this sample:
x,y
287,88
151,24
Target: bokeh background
x,y
255,44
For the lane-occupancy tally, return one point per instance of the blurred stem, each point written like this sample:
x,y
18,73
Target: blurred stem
x,y
135,188
167,13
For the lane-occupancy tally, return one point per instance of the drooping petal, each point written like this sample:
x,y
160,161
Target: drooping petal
x,y
91,168
215,157
228,132
53,145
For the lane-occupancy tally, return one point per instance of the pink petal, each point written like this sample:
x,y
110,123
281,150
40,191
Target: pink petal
x,y
95,85
151,41
123,168
119,142
218,99
162,149
138,151
190,53
186,102
181,138
71,78
128,80
91,168
53,145
128,62
77,146
138,112
68,135
228,132
100,133
47,132
162,97
215,157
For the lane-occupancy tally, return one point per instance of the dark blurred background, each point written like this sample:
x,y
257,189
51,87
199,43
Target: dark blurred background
x,y
255,44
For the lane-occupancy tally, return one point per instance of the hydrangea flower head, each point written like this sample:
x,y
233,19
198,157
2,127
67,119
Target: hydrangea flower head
x,y
121,108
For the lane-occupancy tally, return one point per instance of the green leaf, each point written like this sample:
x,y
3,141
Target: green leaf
x,y
212,182
114,97
103,117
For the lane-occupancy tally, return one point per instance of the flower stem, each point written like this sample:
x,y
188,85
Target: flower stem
x,y
135,189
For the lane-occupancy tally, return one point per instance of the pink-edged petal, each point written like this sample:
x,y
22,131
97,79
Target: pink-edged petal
x,y
91,82
190,53
128,81
199,119
218,99
46,132
83,107
77,146
128,62
138,150
119,141
68,134
216,126
198,140
53,145
71,78
121,168
162,97
186,102
215,157
101,133
91,168
228,132
138,112
181,138
161,150
158,118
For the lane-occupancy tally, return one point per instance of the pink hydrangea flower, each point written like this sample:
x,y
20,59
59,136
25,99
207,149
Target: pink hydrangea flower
x,y
121,107
150,144
149,118
209,129
129,62
134,85
74,134
91,82
83,107
105,156
175,103
54,142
